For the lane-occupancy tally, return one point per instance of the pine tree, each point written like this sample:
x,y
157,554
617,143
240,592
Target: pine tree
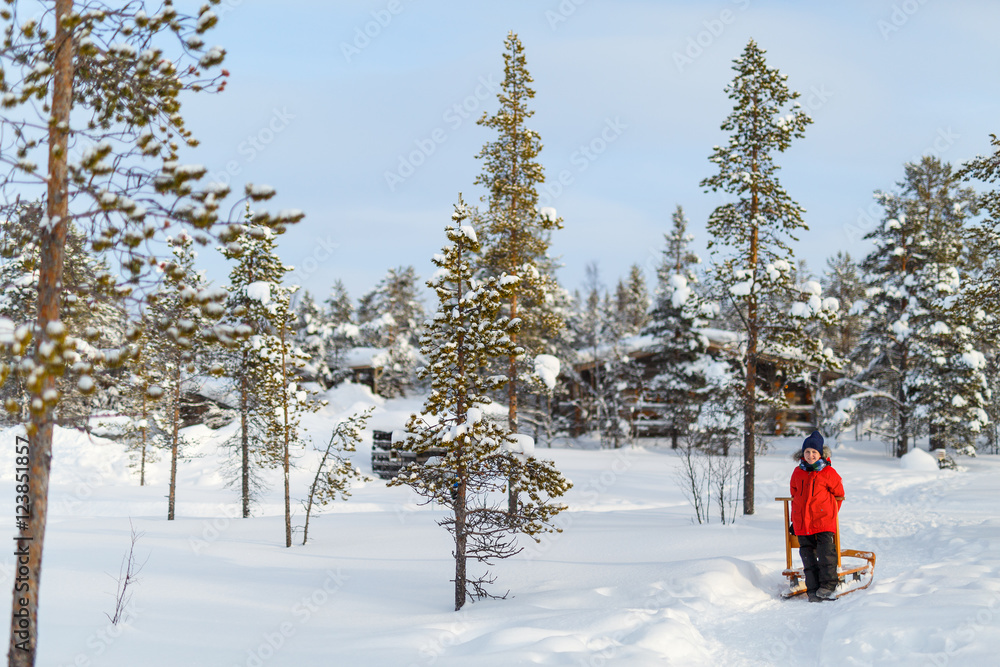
x,y
750,236
147,431
341,333
516,232
180,313
688,376
465,335
918,354
391,317
312,336
262,363
92,312
979,298
632,302
842,281
112,79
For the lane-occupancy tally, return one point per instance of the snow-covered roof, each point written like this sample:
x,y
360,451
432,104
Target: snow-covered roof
x,y
366,357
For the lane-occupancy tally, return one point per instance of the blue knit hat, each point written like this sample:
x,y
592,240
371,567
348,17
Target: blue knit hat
x,y
814,441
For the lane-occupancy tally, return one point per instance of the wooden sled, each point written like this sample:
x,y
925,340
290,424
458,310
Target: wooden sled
x,y
859,569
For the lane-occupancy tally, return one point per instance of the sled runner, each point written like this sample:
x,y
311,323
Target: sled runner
x,y
855,574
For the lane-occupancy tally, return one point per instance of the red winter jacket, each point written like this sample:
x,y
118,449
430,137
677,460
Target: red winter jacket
x,y
814,500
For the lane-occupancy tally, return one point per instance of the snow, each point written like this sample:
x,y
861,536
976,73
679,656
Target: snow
x,y
6,331
547,368
918,459
522,444
470,233
681,291
259,291
630,581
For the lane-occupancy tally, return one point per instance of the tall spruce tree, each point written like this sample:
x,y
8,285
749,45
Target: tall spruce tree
x,y
980,295
918,355
750,236
515,231
465,335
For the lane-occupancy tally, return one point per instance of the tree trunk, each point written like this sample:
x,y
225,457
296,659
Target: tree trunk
x,y
750,389
244,440
31,533
175,440
460,547
287,444
512,408
142,460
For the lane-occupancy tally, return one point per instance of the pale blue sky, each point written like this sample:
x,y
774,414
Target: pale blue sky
x,y
886,81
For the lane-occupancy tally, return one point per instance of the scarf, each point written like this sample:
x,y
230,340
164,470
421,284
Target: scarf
x,y
816,467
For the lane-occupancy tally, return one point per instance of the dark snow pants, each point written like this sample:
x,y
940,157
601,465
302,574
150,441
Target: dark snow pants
x,y
819,561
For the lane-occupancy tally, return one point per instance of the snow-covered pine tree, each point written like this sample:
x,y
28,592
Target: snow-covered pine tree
x,y
113,79
980,295
391,316
341,332
682,385
147,432
292,400
842,281
180,313
515,231
750,236
334,473
92,312
262,362
918,355
632,302
308,337
465,335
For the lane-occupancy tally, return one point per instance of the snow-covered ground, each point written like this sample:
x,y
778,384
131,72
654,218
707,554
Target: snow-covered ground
x,y
631,581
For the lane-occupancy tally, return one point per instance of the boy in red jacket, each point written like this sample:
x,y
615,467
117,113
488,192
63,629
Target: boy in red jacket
x,y
815,488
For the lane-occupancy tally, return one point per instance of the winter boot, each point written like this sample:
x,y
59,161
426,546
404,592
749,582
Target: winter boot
x,y
827,593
